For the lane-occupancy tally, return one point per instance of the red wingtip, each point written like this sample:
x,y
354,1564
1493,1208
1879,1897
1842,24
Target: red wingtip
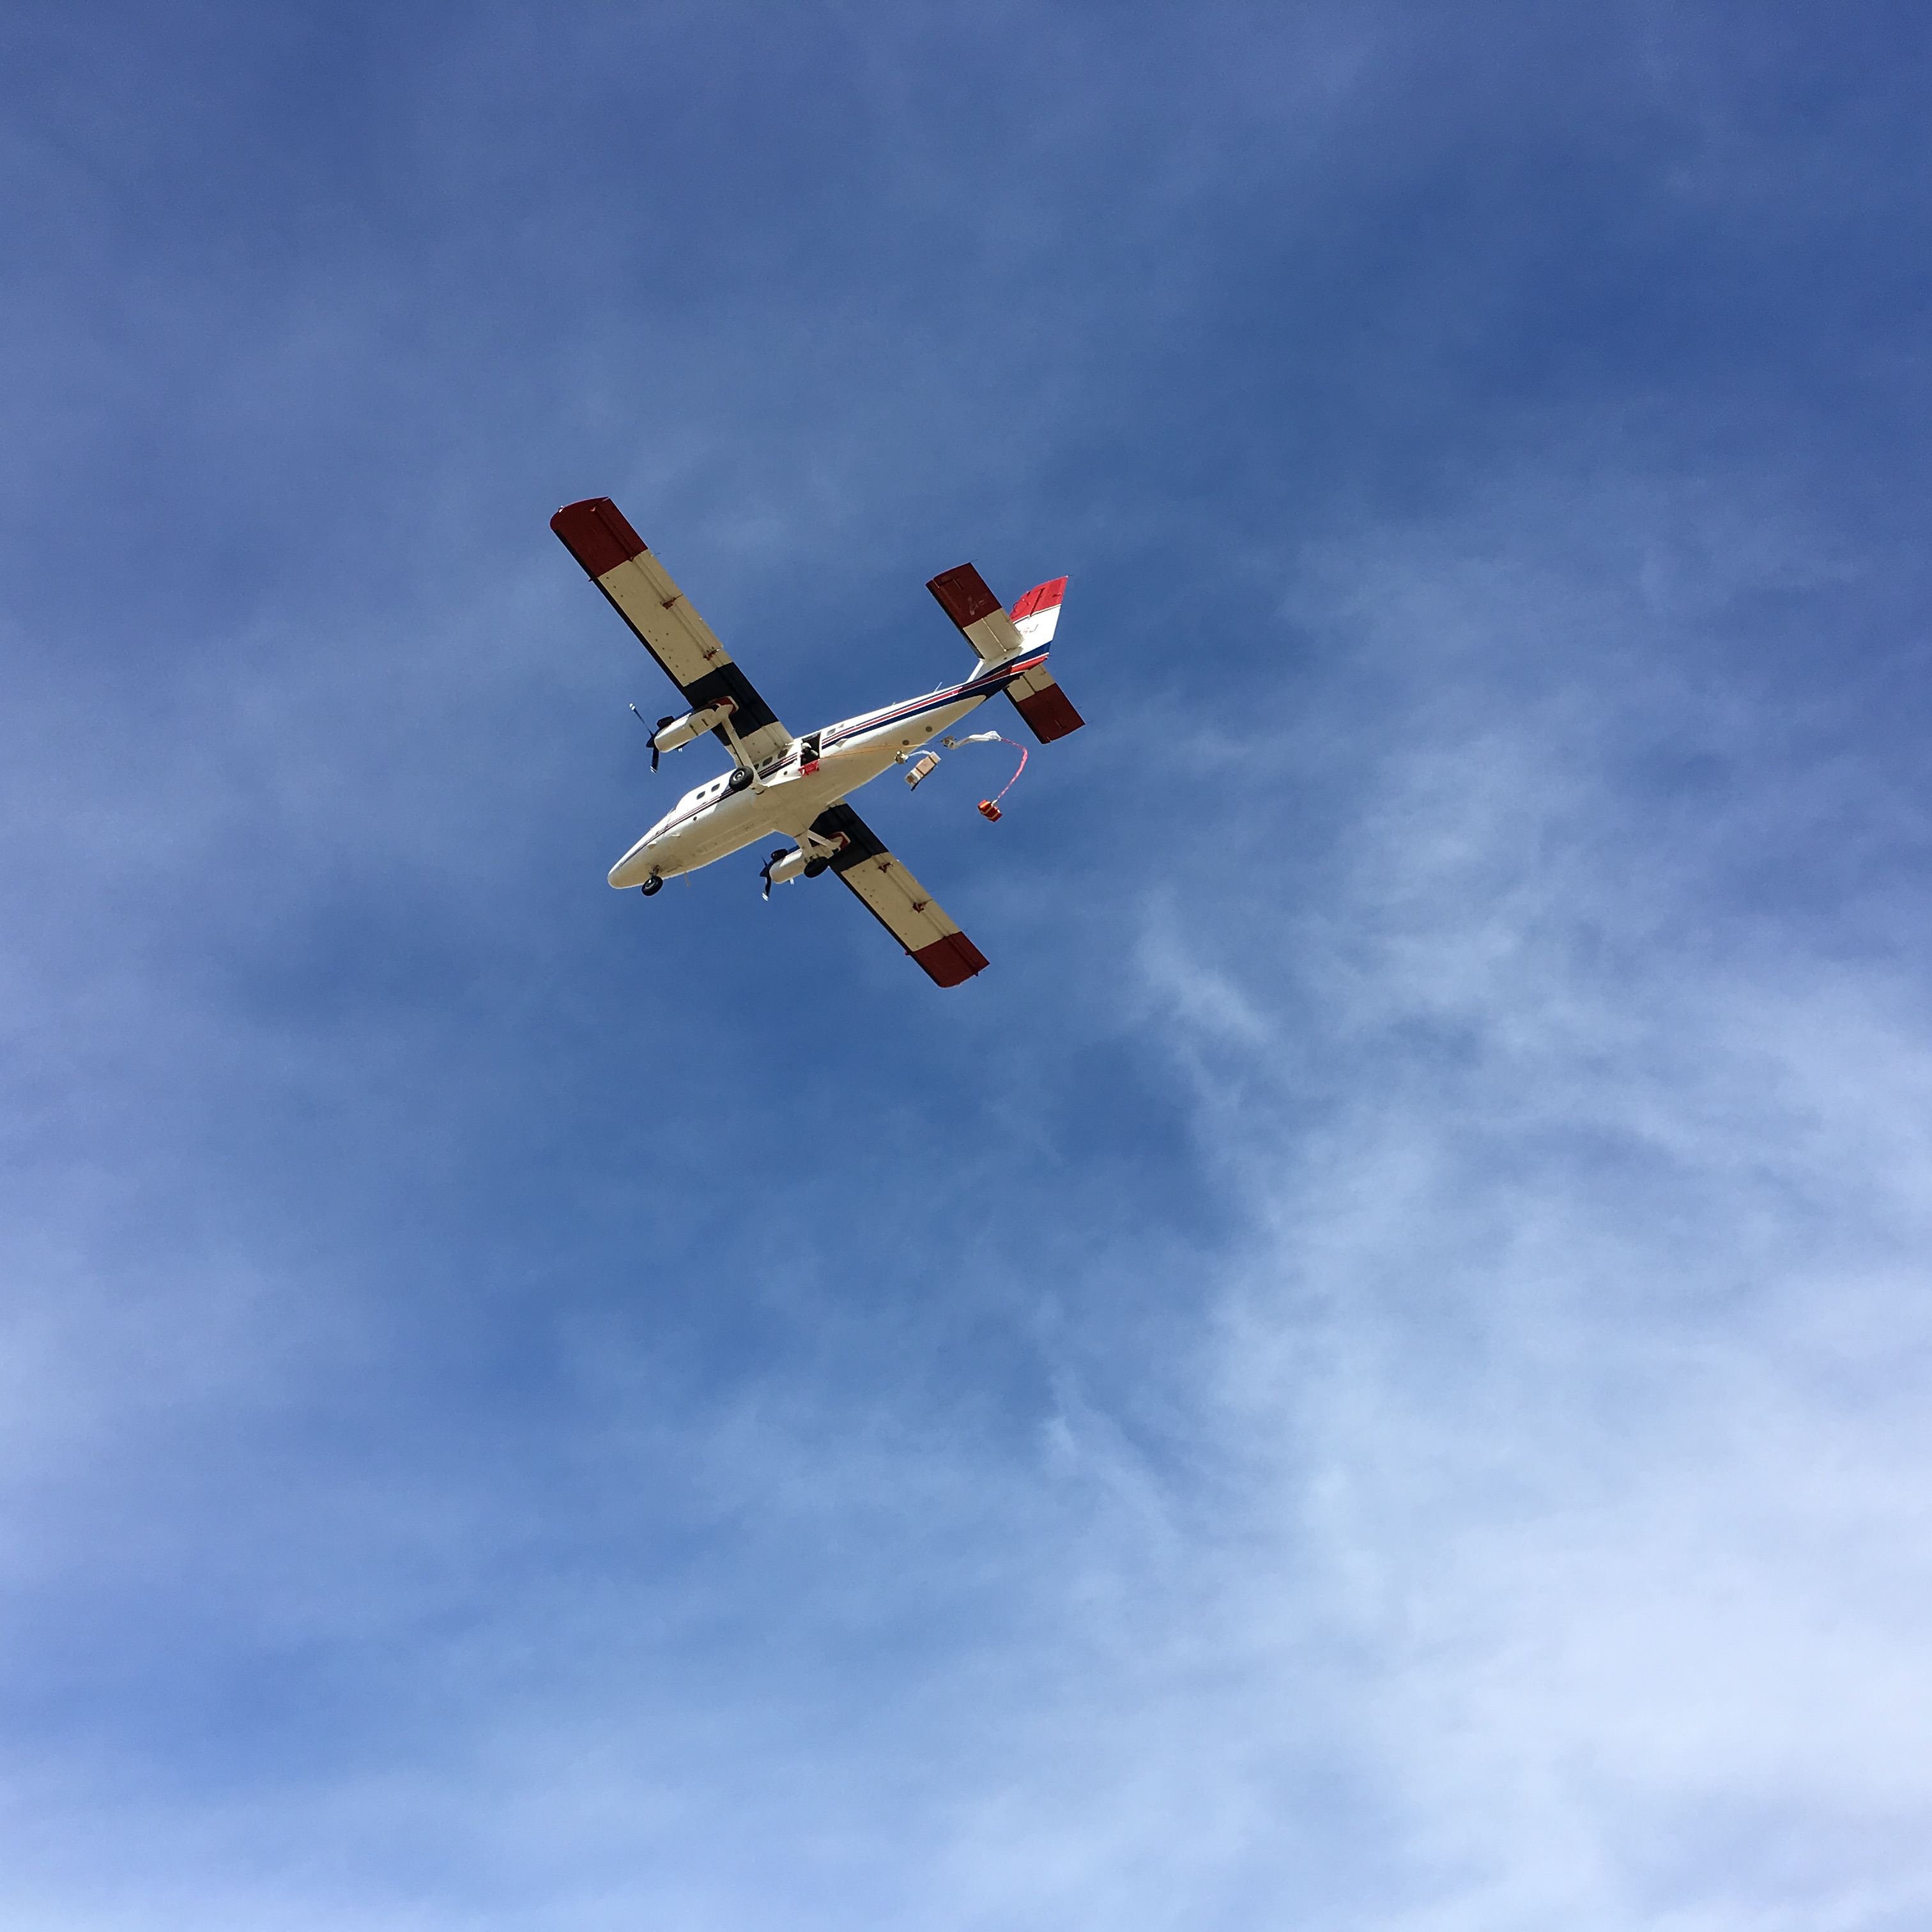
x,y
595,532
951,960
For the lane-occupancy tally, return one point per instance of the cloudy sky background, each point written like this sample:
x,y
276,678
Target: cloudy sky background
x,y
1371,1372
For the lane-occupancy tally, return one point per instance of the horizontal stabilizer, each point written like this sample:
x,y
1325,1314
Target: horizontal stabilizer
x,y
964,597
1049,712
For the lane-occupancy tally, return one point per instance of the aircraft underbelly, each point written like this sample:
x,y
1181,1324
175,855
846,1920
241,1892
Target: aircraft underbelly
x,y
784,809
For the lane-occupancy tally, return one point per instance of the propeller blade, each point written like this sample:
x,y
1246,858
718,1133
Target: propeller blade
x,y
653,741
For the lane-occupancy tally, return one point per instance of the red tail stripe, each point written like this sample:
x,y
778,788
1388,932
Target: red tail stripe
x,y
1042,597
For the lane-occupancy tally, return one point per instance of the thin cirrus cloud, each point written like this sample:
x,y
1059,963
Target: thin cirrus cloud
x,y
1578,1345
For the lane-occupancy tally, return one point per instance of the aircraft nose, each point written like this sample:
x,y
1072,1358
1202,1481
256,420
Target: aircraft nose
x,y
632,869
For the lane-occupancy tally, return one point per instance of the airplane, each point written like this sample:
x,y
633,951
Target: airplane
x,y
797,787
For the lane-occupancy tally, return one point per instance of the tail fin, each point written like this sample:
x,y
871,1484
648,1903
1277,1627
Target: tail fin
x,y
1045,707
1038,612
997,634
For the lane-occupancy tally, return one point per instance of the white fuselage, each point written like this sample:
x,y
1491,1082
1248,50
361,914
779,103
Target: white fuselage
x,y
787,794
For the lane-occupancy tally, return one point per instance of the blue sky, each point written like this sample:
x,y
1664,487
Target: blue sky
x,y
1371,1372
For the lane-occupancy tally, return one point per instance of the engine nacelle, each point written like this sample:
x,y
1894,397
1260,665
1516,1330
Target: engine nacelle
x,y
789,866
675,731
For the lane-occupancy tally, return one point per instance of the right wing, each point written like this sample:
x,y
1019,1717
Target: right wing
x,y
614,557
897,900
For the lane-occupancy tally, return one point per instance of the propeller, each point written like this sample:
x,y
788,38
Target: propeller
x,y
639,717
661,723
765,871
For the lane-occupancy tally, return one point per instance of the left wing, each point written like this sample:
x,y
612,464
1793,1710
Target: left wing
x,y
615,558
897,900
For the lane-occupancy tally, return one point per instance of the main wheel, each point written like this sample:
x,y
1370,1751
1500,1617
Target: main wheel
x,y
653,884
813,867
739,780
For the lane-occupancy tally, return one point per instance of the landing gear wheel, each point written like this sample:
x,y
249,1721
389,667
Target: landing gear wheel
x,y
739,780
813,867
653,884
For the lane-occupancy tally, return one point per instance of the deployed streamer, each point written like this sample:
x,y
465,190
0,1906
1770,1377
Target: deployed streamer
x,y
989,808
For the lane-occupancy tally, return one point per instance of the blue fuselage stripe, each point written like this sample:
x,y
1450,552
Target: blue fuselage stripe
x,y
977,687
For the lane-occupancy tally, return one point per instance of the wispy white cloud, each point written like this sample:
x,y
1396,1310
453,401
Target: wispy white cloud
x,y
1574,1368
